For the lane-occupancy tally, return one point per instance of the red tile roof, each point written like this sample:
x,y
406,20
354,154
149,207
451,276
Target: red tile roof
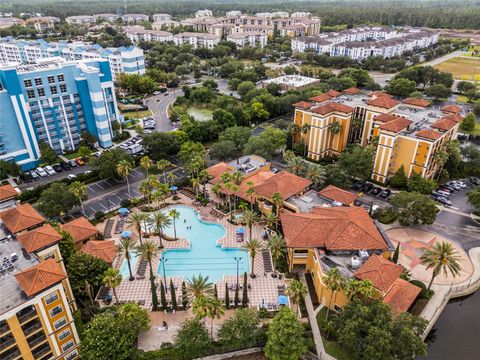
x,y
352,91
335,228
21,218
336,194
401,295
219,169
320,98
380,271
333,93
417,102
452,109
444,124
384,117
40,277
454,117
284,182
303,104
332,107
384,102
7,192
81,229
428,134
379,94
105,250
396,125
39,238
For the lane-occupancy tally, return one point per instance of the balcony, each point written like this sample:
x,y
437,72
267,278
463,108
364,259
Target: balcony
x,y
42,351
26,314
36,340
11,354
4,327
6,342
31,328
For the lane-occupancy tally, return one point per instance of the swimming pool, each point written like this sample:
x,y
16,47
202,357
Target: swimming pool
x,y
133,261
204,256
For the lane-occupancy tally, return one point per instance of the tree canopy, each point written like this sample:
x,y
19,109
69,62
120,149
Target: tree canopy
x,y
57,200
414,208
357,161
108,161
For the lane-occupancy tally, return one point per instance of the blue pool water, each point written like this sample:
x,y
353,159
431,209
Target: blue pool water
x,y
133,262
204,256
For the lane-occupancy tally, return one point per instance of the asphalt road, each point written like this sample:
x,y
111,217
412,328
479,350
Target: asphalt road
x,y
48,179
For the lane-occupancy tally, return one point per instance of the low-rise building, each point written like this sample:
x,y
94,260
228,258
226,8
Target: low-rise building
x,y
134,18
43,23
203,13
197,40
162,17
81,20
102,249
169,24
292,82
81,231
139,33
248,39
106,17
10,21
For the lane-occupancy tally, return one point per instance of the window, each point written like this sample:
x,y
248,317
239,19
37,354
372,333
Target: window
x,y
59,323
69,344
49,256
56,310
41,91
61,77
64,334
51,298
72,355
28,82
63,88
31,94
53,90
51,79
38,81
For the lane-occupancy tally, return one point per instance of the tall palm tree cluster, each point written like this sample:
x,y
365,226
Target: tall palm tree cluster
x,y
314,172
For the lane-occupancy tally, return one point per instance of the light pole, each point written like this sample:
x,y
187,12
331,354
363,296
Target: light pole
x,y
237,259
163,261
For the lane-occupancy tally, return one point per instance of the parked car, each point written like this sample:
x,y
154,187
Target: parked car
x,y
376,190
66,166
459,183
475,181
442,192
444,201
88,172
97,154
41,172
57,168
367,188
50,170
73,163
71,176
447,188
33,174
385,194
453,185
80,161
357,185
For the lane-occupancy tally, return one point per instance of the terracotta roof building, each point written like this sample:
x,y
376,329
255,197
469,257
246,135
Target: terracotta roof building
x,y
428,134
284,182
401,295
81,230
39,238
105,250
452,109
384,102
219,169
396,125
444,124
336,194
7,192
21,218
380,271
351,91
40,277
303,104
417,102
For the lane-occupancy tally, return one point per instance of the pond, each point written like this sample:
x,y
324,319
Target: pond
x,y
200,114
456,333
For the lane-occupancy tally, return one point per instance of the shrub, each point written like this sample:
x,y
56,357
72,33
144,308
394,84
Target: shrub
x,y
125,203
424,293
385,216
99,215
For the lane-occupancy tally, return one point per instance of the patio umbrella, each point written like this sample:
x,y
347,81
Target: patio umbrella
x,y
240,231
282,300
123,211
126,234
173,188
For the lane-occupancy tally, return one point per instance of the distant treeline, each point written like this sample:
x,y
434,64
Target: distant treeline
x,y
455,14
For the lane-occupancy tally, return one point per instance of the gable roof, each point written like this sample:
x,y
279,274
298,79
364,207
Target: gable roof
x,y
452,109
352,91
7,192
105,250
303,104
321,98
40,277
335,228
284,182
401,295
396,125
21,218
333,93
379,94
219,169
81,229
384,102
39,238
416,102
331,107
428,134
380,271
384,117
336,194
454,117
444,124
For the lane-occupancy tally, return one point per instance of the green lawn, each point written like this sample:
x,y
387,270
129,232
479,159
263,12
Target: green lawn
x,y
137,114
331,346
475,131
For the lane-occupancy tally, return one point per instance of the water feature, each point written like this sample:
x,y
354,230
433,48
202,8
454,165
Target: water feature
x,y
133,261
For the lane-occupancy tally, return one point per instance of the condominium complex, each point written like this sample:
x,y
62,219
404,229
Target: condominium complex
x,y
292,82
43,23
408,133
54,101
134,18
253,39
361,43
203,13
37,303
162,17
129,60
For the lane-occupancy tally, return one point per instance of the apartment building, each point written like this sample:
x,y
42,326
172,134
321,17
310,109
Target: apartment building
x,y
407,133
203,13
36,320
253,39
139,33
361,43
128,60
169,24
81,20
273,15
107,17
197,40
134,18
54,101
233,13
8,21
292,82
161,17
43,23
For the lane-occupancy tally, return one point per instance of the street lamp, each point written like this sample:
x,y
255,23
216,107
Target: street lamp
x,y
237,259
163,261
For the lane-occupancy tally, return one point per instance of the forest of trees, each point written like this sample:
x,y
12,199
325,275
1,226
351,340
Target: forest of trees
x,y
432,13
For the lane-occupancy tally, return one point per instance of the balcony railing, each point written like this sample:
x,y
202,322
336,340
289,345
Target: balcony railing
x,y
41,351
27,316
32,328
5,343
37,340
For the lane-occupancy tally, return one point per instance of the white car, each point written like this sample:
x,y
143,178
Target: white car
x,y
460,183
71,176
41,172
50,170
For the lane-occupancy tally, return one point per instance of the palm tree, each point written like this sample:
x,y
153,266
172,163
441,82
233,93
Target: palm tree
x,y
145,190
352,287
271,219
335,127
146,163
216,189
296,291
250,192
148,251
293,130
440,158
199,286
441,258
304,130
335,282
195,183
296,165
174,214
204,176
79,190
276,244
162,165
277,201
253,246
366,289
137,220
112,279
124,168
125,248
215,310
250,217
316,174
160,221
200,307
171,178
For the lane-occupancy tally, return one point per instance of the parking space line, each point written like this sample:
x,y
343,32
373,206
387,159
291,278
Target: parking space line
x,y
91,188
118,197
135,192
104,208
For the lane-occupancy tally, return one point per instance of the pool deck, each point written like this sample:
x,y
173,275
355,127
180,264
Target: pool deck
x,y
263,289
